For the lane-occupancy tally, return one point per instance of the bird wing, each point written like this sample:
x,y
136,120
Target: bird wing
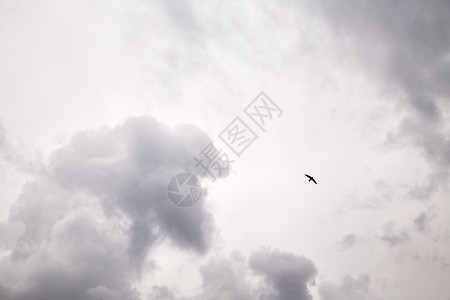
x,y
308,176
314,180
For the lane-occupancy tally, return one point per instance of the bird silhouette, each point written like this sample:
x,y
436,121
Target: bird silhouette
x,y
311,178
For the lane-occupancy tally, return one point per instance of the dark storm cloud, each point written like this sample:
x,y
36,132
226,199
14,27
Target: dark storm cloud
x,y
288,274
129,167
406,46
281,275
349,289
84,226
71,262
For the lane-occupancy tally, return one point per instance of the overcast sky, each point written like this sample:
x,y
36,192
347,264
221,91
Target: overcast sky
x,y
103,102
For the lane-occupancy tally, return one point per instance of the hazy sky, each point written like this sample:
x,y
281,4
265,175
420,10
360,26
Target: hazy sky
x,y
102,102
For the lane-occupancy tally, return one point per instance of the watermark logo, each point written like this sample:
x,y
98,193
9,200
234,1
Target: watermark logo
x,y
184,190
214,162
238,136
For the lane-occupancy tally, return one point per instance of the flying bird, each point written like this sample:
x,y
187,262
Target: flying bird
x,y
310,178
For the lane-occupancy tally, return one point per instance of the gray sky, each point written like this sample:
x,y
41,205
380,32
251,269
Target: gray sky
x,y
102,102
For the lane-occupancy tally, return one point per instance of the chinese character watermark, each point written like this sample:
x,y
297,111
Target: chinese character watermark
x,y
184,189
238,136
262,110
214,162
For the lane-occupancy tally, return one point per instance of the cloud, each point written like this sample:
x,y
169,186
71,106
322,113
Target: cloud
x,y
88,221
392,236
349,241
13,153
405,47
70,263
423,219
162,293
2,136
288,274
8,152
226,278
128,168
349,289
266,274
9,233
